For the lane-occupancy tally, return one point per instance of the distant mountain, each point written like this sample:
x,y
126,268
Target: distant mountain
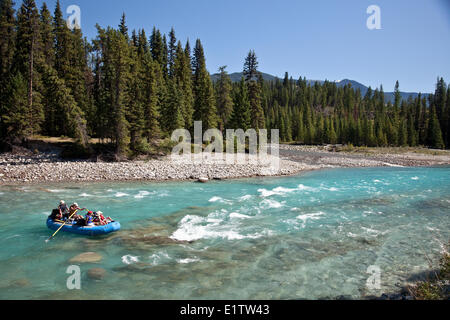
x,y
389,96
236,77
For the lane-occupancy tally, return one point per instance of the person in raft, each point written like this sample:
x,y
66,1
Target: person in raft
x,y
87,220
63,210
100,220
75,208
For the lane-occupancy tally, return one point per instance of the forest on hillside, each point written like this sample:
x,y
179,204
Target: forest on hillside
x,y
131,89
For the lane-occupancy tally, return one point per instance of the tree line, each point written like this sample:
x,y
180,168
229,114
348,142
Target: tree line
x,y
131,89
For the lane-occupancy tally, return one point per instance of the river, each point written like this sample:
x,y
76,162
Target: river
x,y
311,236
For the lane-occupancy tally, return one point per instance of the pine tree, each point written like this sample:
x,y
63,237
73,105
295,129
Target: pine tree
x,y
62,43
57,97
204,100
403,135
47,37
183,75
435,139
134,103
123,28
241,117
7,48
174,111
172,52
26,58
251,75
115,76
7,39
398,97
224,99
15,114
150,102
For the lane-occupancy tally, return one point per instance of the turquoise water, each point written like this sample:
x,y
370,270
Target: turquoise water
x,y
306,237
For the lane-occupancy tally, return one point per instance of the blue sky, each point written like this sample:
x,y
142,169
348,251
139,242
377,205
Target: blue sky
x,y
317,39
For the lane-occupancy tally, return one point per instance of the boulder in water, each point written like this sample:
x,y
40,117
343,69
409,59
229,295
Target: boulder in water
x,y
96,273
20,283
203,180
87,257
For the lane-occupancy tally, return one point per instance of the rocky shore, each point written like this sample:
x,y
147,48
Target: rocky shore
x,y
26,168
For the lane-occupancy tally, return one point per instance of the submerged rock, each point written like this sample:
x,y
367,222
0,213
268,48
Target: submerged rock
x,y
20,283
96,273
86,257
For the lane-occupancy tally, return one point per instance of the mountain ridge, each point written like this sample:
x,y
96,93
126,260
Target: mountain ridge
x,y
389,96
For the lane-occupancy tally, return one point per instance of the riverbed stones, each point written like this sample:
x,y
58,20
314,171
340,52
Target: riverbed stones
x,y
87,257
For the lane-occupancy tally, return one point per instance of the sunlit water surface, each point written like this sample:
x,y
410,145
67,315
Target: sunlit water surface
x,y
306,237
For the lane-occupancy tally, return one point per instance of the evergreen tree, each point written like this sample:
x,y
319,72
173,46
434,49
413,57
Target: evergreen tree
x,y
435,139
26,58
204,100
251,75
183,75
172,52
123,28
398,97
7,48
47,37
150,88
15,114
241,117
57,97
224,99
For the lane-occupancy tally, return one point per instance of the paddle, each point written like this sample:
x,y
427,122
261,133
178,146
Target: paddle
x,y
62,226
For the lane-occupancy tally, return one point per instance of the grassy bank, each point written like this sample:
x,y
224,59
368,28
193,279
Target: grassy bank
x,y
437,286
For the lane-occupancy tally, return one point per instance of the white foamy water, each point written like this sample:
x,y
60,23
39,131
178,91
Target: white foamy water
x,y
279,191
85,195
245,198
236,215
129,259
271,204
302,187
415,178
55,190
142,194
192,228
188,260
310,216
158,258
371,231
121,195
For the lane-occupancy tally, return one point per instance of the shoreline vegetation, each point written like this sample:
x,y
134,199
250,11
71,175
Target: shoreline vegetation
x,y
47,164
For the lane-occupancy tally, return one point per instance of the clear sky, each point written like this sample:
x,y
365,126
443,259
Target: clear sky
x,y
318,39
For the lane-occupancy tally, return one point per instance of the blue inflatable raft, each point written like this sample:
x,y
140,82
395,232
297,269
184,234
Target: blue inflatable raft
x,y
85,231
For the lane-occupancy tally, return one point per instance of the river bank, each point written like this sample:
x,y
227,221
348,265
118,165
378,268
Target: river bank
x,y
28,168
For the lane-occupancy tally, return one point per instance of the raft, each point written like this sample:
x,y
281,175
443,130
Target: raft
x,y
85,231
